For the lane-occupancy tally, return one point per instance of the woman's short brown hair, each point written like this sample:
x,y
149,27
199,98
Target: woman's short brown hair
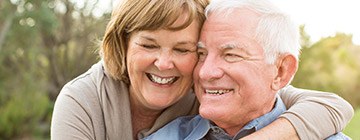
x,y
137,15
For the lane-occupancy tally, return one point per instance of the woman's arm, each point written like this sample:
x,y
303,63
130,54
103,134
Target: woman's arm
x,y
284,131
70,119
310,115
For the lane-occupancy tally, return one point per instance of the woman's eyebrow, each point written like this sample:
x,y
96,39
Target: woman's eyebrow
x,y
148,38
186,42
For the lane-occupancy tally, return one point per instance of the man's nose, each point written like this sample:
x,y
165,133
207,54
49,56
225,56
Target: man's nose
x,y
210,70
164,61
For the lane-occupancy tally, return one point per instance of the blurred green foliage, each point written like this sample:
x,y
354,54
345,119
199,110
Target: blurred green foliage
x,y
46,43
352,129
331,64
43,45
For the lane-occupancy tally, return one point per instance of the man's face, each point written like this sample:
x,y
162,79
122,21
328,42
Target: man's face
x,y
232,79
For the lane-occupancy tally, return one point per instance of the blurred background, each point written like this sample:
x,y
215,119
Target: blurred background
x,y
46,43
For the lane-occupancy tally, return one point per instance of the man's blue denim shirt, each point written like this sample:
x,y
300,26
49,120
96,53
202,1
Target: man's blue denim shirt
x,y
196,127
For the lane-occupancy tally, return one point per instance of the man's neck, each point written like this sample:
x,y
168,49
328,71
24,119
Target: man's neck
x,y
232,129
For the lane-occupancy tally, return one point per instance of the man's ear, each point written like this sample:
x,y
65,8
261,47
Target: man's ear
x,y
287,66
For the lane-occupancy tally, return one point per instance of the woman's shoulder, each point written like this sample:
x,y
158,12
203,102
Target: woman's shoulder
x,y
85,83
92,98
93,85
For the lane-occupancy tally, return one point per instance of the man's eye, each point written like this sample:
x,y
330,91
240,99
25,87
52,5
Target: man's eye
x,y
229,57
202,55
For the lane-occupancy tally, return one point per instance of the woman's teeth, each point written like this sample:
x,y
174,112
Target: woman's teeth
x,y
217,92
160,80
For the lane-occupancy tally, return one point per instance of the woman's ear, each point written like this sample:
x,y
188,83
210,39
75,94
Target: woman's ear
x,y
287,66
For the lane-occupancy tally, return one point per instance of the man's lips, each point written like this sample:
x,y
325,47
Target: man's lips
x,y
217,91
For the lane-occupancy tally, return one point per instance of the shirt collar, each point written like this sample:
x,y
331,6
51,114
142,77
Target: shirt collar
x,y
267,118
257,123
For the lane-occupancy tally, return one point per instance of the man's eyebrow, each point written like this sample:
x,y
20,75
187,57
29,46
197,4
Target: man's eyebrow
x,y
229,46
200,45
238,46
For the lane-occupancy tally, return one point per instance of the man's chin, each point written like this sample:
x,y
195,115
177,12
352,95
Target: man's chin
x,y
210,113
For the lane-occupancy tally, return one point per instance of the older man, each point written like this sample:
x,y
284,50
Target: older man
x,y
248,51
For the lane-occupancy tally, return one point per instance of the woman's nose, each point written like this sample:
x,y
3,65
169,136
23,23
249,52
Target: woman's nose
x,y
164,61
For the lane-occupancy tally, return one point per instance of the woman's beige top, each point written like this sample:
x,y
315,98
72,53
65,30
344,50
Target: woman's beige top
x,y
94,106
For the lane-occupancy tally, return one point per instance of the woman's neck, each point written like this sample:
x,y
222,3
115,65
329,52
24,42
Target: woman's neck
x,y
142,117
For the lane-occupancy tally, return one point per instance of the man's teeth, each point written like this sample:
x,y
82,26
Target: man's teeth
x,y
217,92
160,80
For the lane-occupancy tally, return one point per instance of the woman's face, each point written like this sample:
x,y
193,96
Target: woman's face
x,y
160,65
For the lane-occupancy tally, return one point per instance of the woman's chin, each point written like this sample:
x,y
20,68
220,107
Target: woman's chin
x,y
159,105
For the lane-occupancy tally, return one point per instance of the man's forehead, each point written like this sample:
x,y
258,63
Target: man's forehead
x,y
225,45
214,23
231,18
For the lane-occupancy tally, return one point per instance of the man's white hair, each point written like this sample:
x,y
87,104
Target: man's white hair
x,y
276,32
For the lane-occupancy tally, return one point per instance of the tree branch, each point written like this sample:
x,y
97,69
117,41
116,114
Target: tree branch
x,y
5,28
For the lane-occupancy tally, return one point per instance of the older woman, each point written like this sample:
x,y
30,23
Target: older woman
x,y
145,76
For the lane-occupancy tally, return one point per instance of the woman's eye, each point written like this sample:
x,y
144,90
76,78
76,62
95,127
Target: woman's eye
x,y
233,57
149,46
182,50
